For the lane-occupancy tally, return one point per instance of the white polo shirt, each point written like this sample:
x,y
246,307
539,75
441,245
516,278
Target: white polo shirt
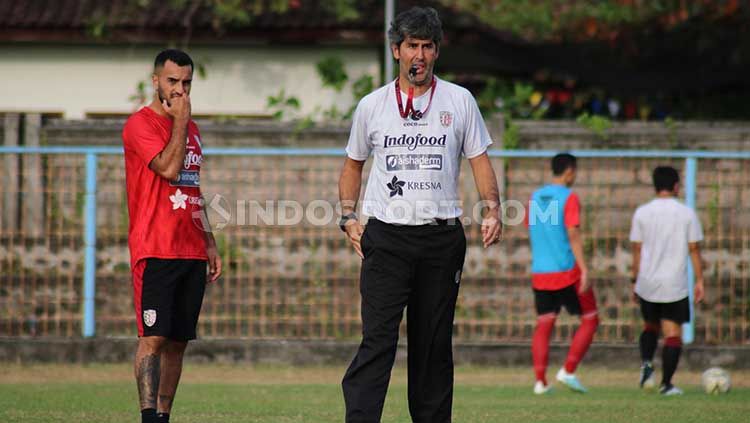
x,y
664,226
414,176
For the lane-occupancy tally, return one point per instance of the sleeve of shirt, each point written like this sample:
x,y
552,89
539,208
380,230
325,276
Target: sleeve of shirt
x,y
138,136
359,145
476,136
636,234
695,231
572,211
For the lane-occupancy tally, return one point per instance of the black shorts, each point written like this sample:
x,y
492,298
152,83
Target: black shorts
x,y
168,294
552,301
678,311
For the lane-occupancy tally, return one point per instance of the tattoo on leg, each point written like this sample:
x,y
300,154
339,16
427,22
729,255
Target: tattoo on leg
x,y
148,380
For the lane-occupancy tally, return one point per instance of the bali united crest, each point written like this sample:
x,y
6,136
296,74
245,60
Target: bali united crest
x,y
446,118
149,317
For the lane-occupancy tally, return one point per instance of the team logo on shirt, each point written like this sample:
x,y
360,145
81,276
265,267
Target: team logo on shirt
x,y
446,118
178,200
149,317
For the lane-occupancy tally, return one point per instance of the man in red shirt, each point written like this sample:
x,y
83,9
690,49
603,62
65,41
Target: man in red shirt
x,y
169,237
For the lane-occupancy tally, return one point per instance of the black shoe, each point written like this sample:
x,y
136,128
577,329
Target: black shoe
x,y
647,375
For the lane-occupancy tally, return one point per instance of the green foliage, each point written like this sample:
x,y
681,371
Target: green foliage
x,y
599,125
362,86
513,100
96,27
139,97
583,19
332,73
240,13
511,136
200,69
283,106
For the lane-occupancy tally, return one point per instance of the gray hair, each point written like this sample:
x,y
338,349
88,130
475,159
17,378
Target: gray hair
x,y
422,23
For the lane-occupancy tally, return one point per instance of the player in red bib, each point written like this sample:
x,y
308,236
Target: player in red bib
x,y
559,272
169,238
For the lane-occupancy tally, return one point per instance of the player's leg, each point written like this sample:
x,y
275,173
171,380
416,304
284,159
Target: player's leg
x,y
430,313
188,299
171,370
153,287
547,307
147,374
583,304
384,286
648,342
673,316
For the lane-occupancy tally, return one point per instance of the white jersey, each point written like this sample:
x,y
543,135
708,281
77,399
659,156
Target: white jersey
x,y
664,226
414,175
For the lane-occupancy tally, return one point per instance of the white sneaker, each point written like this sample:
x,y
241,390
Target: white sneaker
x,y
540,388
571,381
670,390
647,380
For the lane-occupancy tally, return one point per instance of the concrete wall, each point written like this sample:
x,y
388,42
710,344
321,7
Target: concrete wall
x,y
76,80
339,353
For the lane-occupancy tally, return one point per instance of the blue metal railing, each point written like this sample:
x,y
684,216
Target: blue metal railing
x,y
89,328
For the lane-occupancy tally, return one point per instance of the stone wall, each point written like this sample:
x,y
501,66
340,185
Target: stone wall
x,y
338,353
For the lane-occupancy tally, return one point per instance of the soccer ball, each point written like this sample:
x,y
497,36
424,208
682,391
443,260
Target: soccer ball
x,y
716,381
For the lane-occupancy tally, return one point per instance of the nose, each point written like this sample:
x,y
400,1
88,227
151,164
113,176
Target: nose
x,y
420,53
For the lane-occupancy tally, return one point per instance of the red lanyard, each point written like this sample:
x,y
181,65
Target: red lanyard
x,y
409,111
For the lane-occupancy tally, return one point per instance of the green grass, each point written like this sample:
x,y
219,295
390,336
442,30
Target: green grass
x,y
240,394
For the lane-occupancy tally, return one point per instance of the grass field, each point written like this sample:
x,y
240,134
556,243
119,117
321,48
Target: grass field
x,y
222,393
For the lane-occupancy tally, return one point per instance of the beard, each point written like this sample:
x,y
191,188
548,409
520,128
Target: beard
x,y
427,77
162,95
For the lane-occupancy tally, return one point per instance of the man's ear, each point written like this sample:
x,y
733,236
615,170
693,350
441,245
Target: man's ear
x,y
154,80
395,51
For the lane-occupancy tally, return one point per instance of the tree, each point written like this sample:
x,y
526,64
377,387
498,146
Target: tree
x,y
566,20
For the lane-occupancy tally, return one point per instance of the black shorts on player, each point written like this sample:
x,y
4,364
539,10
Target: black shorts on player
x,y
168,297
678,311
568,297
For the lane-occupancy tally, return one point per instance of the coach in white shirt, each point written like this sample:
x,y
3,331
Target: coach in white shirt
x,y
416,128
663,233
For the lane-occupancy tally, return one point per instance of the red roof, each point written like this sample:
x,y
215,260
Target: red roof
x,y
125,20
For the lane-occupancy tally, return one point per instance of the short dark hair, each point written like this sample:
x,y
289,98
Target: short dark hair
x,y
562,162
422,23
665,178
177,56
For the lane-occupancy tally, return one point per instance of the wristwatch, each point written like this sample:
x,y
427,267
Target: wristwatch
x,y
345,218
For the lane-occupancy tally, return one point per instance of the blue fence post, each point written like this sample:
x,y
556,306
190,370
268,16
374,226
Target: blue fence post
x,y
691,169
89,239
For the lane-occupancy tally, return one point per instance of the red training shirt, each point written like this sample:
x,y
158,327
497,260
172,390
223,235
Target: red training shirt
x,y
165,216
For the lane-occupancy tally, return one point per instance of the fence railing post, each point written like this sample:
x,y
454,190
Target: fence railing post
x,y
691,169
89,236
